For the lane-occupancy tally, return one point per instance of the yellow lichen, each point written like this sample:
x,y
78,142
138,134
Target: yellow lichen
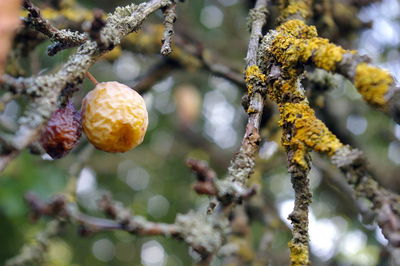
x,y
372,83
299,255
295,7
309,133
298,29
298,43
282,90
324,54
253,75
75,14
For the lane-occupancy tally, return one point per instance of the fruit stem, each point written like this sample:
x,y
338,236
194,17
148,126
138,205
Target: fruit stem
x,y
91,78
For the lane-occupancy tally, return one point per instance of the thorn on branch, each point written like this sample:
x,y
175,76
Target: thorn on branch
x,y
170,18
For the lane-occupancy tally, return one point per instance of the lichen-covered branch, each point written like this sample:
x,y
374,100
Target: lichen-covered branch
x,y
283,54
63,38
257,17
185,53
170,18
385,204
34,254
17,86
295,42
242,165
195,229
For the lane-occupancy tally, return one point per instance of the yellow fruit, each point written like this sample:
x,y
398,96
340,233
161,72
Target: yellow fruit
x,y
114,117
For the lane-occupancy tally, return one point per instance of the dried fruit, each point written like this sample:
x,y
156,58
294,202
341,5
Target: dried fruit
x,y
62,131
114,117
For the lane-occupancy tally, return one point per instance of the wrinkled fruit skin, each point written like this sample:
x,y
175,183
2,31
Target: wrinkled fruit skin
x,y
62,131
115,117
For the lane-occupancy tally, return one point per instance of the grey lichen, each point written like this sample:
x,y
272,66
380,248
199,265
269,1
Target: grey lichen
x,y
201,232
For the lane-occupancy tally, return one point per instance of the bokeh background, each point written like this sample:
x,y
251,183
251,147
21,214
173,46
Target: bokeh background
x,y
195,114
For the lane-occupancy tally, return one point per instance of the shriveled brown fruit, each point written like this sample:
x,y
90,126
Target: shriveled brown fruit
x,y
62,131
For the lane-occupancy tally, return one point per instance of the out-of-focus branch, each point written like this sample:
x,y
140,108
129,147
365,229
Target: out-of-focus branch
x,y
385,204
208,184
186,53
154,74
34,254
205,177
59,207
195,229
17,86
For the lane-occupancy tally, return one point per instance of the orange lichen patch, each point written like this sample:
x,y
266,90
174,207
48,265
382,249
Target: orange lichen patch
x,y
299,255
372,83
114,117
293,7
308,132
324,55
253,75
298,29
283,90
298,43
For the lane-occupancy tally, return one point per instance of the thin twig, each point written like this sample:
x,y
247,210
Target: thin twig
x,y
170,18
62,38
91,78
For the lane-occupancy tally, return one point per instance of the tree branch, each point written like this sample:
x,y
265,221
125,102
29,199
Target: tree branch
x,y
63,38
170,18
